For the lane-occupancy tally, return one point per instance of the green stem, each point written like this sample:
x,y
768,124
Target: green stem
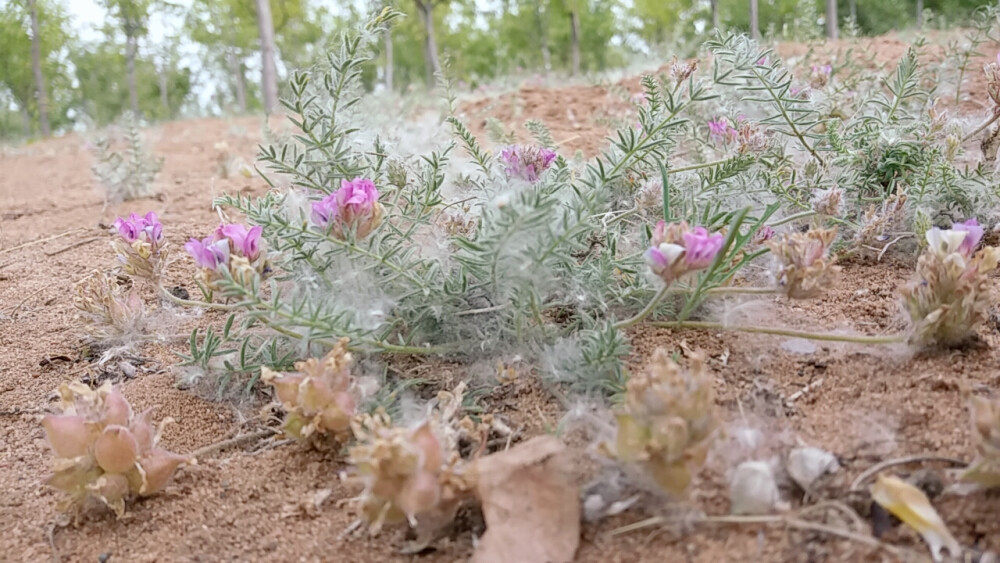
x,y
646,311
787,118
698,166
188,303
791,218
825,337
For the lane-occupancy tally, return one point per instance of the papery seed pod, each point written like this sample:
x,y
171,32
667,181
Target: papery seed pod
x,y
158,466
69,435
753,489
115,450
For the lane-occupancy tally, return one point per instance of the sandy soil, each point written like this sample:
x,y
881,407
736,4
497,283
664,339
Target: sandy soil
x,y
865,404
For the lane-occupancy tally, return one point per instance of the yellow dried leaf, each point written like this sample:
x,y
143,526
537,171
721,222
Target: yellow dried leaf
x,y
912,506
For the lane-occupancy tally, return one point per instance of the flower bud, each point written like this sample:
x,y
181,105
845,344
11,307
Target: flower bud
x,y
69,435
157,467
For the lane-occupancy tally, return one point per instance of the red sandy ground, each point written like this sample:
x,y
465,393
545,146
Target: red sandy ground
x,y
873,403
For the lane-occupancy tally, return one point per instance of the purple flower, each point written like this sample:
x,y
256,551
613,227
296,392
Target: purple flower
x,y
210,253
719,130
822,69
701,247
762,235
148,228
246,242
355,198
762,61
973,234
526,162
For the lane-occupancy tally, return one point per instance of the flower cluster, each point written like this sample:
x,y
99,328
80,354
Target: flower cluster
x,y
985,469
751,139
103,450
677,250
828,202
950,296
320,398
110,309
353,207
820,75
720,131
140,245
232,248
526,162
802,264
679,72
413,474
667,422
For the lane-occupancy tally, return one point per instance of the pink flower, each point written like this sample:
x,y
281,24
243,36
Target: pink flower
x,y
526,162
701,247
677,250
763,235
720,131
210,253
762,61
973,234
246,242
355,198
148,228
822,69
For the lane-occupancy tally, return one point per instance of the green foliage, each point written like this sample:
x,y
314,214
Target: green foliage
x,y
129,173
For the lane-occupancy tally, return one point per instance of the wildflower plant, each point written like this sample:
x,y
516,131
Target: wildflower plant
x,y
801,262
104,451
985,469
233,252
949,298
128,174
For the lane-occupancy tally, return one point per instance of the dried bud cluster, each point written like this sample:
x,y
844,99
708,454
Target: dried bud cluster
x,y
950,296
819,75
827,202
676,250
320,398
992,71
750,139
103,450
414,474
141,247
232,248
668,420
110,310
985,469
877,222
679,72
802,265
352,208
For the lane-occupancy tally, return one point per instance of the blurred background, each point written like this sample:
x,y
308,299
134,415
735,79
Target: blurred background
x,y
73,64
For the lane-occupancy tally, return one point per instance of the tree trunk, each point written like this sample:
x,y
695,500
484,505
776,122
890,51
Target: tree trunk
x,y
852,5
715,14
387,39
832,26
36,67
574,38
236,69
269,72
754,20
543,37
426,10
920,14
131,46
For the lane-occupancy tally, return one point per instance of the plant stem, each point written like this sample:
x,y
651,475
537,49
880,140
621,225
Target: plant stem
x,y
987,123
188,303
646,311
698,166
726,290
826,337
791,218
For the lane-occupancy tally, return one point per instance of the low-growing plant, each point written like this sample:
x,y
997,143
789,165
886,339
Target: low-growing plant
x,y
125,174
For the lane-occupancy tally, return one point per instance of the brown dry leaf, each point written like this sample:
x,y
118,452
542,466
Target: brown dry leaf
x,y
530,504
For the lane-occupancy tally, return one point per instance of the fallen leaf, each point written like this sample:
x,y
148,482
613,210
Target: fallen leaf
x,y
530,504
912,506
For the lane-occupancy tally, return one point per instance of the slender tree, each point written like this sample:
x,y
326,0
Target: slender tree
x,y
133,19
574,38
543,36
832,26
269,71
426,10
36,68
920,14
754,20
715,13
